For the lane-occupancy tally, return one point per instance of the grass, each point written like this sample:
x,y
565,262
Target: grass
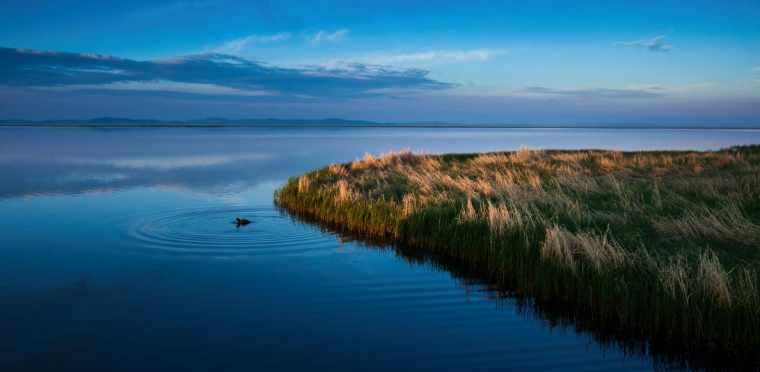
x,y
662,246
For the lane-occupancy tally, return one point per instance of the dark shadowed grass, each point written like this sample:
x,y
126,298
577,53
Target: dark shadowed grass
x,y
661,246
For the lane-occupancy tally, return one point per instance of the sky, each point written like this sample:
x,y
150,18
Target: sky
x,y
500,62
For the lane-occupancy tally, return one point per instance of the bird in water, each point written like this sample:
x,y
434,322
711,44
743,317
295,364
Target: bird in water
x,y
241,222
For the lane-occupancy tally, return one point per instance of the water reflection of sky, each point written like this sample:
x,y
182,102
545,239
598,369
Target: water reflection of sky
x,y
219,161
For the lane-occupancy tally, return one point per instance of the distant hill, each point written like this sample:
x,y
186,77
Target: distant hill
x,y
113,122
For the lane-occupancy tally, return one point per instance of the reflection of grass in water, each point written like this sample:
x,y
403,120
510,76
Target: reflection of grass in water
x,y
555,314
659,245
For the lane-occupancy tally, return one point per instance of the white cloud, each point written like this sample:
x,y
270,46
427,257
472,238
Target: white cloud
x,y
164,86
629,91
655,44
240,44
329,37
610,93
434,56
691,88
204,74
420,58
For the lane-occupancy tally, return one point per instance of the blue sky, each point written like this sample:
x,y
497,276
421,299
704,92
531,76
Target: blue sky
x,y
476,61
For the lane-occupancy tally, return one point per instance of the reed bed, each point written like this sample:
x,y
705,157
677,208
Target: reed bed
x,y
663,246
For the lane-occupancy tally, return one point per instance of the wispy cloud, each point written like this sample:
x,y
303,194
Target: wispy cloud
x,y
205,74
433,56
655,44
238,45
683,89
329,36
649,92
163,86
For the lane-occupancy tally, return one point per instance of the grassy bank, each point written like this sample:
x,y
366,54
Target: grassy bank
x,y
662,246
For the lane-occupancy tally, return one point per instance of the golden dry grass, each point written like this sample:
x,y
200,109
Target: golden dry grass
x,y
661,239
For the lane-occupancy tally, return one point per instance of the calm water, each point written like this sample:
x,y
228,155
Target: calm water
x,y
117,250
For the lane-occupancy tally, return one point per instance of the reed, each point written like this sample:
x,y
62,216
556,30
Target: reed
x,y
663,245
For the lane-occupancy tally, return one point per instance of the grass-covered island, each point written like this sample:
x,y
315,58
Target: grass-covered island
x,y
660,246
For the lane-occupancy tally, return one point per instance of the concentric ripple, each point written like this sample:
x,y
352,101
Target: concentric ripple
x,y
211,232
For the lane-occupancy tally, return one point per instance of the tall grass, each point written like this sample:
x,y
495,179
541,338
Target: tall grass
x,y
661,245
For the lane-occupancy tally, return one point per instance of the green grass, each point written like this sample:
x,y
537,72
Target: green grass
x,y
662,246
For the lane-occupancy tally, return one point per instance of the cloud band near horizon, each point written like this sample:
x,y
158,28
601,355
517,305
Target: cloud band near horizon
x,y
211,74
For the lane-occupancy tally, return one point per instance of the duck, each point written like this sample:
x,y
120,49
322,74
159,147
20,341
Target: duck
x,y
241,221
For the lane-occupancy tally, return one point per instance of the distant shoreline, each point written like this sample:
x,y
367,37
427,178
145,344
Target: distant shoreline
x,y
359,126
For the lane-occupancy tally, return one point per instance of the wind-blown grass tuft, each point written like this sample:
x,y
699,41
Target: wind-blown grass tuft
x,y
662,245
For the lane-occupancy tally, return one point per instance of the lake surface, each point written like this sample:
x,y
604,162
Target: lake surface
x,y
118,253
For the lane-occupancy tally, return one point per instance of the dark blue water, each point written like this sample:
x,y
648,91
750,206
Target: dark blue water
x,y
118,253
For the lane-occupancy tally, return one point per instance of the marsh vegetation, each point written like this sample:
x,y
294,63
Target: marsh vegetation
x,y
660,246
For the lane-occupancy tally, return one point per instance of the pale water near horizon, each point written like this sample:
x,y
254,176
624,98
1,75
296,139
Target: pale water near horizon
x,y
118,253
